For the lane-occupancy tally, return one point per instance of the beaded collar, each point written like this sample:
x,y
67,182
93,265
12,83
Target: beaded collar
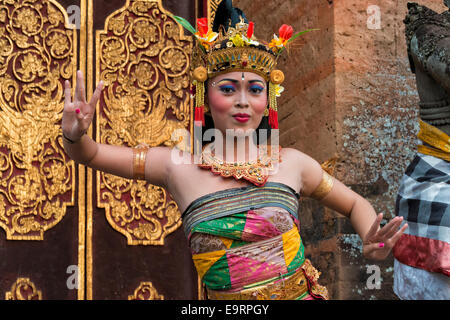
x,y
255,171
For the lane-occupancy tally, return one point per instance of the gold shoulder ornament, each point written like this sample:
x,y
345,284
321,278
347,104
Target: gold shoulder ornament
x,y
325,186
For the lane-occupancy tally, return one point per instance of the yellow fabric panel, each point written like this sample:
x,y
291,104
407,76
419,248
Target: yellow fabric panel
x,y
291,245
227,242
204,261
439,141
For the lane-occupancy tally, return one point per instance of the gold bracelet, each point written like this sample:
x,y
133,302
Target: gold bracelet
x,y
139,156
324,187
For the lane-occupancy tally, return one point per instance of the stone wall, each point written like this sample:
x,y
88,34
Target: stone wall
x,y
349,93
376,122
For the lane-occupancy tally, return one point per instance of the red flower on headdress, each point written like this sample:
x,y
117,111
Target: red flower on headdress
x,y
204,35
251,28
285,32
202,26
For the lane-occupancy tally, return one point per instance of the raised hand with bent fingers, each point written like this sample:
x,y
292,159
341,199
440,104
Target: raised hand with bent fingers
x,y
378,243
78,114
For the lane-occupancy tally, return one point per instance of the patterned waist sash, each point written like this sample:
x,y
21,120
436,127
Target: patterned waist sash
x,y
299,286
254,250
231,201
248,265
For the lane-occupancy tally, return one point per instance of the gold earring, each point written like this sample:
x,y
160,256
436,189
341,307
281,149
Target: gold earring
x,y
266,112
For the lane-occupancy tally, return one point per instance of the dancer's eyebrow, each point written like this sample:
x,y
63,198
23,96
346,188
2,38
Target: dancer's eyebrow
x,y
253,81
231,80
237,81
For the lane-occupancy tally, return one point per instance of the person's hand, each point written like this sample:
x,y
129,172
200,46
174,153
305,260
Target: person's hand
x,y
378,243
78,114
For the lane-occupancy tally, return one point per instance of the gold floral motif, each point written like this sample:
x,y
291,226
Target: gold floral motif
x,y
28,18
277,76
36,57
32,65
146,291
23,289
141,219
144,32
143,58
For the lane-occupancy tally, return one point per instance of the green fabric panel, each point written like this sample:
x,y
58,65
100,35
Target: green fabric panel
x,y
218,276
238,243
298,259
229,227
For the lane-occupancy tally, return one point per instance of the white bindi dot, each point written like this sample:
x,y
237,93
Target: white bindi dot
x,y
243,78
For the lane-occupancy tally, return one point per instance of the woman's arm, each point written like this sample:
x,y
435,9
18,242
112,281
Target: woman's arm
x,y
377,243
117,160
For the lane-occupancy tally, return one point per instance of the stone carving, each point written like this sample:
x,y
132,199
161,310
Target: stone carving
x,y
428,40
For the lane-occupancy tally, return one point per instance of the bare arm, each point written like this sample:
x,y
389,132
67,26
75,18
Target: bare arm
x,y
116,160
377,242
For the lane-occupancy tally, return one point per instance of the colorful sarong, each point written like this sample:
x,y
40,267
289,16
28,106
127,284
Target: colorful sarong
x,y
424,202
243,238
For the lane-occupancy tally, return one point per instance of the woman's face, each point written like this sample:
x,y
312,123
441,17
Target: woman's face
x,y
237,100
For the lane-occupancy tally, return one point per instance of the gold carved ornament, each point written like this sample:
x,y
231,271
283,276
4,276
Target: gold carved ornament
x,y
36,56
23,289
212,8
143,59
146,291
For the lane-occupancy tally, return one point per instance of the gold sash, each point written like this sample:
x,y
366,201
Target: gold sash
x,y
290,288
438,140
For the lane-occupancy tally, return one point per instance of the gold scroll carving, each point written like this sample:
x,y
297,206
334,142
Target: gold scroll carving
x,y
36,55
143,58
212,8
146,291
23,289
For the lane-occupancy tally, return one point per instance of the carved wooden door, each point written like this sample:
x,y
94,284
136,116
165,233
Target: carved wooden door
x,y
71,232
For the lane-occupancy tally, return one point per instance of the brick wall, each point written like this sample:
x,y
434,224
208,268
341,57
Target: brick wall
x,y
349,93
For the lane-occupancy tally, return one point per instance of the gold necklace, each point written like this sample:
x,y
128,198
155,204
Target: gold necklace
x,y
256,172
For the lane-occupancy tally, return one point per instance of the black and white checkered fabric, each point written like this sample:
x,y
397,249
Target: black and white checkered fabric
x,y
422,255
424,198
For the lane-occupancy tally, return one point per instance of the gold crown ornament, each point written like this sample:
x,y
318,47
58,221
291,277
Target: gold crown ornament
x,y
235,48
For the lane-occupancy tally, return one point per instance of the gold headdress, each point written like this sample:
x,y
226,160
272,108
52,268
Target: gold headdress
x,y
231,46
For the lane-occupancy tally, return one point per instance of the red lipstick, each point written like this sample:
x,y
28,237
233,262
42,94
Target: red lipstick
x,y
241,117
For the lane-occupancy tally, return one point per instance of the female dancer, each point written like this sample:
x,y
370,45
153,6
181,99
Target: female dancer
x,y
240,215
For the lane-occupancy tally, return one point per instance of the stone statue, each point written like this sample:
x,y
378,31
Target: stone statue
x,y
422,255
428,40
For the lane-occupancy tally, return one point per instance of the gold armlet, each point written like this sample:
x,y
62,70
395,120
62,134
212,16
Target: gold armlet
x,y
139,156
324,187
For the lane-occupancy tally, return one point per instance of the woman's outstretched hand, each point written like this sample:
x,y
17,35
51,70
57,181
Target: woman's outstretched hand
x,y
378,243
78,114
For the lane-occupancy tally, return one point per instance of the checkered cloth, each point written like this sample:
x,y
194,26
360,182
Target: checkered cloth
x,y
424,202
